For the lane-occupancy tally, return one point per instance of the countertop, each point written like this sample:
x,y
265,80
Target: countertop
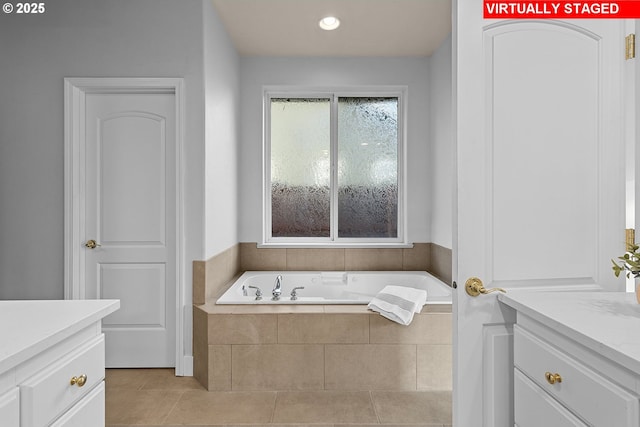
x,y
605,322
28,327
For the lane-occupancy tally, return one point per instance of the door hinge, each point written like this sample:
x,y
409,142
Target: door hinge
x,y
630,46
630,237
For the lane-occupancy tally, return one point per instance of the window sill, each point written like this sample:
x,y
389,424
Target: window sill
x,y
285,245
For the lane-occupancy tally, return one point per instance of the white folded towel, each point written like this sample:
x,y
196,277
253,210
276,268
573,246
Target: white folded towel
x,y
399,303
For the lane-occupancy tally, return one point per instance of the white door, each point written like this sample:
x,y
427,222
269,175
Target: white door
x,y
130,214
540,181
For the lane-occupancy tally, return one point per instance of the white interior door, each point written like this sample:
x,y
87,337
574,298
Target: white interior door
x,y
130,212
540,181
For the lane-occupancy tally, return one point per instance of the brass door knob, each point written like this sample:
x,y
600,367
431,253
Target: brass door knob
x,y
552,378
79,381
474,287
92,244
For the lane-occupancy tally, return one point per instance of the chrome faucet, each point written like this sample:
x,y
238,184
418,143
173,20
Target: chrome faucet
x,y
258,292
294,294
277,288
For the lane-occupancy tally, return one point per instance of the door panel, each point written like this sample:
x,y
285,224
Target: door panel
x,y
130,209
544,150
540,181
138,282
131,179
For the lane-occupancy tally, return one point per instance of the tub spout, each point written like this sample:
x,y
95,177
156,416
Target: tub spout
x,y
277,288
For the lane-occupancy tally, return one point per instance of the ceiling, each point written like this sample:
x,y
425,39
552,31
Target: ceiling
x,y
368,27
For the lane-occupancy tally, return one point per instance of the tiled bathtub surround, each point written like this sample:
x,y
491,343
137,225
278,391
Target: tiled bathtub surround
x,y
338,259
310,348
441,262
314,348
212,277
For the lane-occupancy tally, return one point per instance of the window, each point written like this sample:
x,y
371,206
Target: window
x,y
333,167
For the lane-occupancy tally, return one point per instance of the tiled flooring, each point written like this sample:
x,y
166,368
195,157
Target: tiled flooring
x,y
155,397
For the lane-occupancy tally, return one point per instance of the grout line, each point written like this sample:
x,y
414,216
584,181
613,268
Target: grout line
x,y
230,367
286,259
344,259
416,367
324,366
373,405
273,411
173,407
146,380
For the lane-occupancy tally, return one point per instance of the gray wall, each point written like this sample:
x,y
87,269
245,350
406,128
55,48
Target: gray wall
x,y
81,38
441,162
156,38
222,106
259,71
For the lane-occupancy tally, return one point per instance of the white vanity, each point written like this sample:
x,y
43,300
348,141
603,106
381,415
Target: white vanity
x,y
52,362
576,358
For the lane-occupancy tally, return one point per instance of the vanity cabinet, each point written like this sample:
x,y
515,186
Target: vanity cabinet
x,y
10,407
576,363
52,366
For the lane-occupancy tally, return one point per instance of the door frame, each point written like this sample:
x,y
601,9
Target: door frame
x,y
75,90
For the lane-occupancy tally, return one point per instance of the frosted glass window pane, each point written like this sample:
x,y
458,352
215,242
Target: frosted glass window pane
x,y
367,167
300,167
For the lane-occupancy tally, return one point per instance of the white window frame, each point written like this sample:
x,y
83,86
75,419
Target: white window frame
x,y
333,93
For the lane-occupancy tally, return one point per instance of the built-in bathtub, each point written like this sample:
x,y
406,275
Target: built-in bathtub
x,y
335,287
327,339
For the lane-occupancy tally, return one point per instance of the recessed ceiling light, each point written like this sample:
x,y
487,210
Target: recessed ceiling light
x,y
329,23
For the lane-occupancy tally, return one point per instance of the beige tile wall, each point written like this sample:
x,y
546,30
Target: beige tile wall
x,y
212,277
434,364
338,259
200,346
441,263
370,367
277,367
323,329
350,350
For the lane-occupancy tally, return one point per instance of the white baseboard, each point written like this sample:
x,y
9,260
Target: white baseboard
x,y
187,367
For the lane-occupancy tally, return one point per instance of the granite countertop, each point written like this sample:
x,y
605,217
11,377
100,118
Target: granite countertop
x,y
29,327
605,322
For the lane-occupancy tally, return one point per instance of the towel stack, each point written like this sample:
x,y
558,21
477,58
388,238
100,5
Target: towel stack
x,y
399,303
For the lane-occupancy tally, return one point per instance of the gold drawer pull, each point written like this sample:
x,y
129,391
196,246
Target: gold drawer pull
x,y
79,381
553,378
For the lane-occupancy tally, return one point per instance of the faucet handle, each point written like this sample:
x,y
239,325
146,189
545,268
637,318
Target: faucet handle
x,y
258,292
294,294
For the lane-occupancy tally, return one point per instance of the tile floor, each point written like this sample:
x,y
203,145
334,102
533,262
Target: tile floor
x,y
155,397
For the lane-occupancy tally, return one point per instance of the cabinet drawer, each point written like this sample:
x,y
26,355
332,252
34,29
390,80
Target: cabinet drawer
x,y
88,412
49,393
598,401
533,407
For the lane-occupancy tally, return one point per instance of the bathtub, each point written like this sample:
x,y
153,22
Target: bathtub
x,y
334,287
